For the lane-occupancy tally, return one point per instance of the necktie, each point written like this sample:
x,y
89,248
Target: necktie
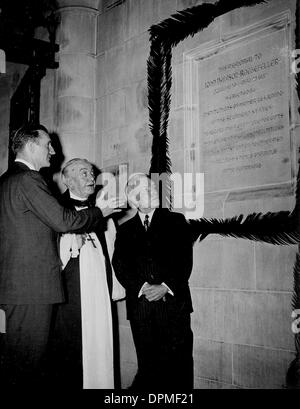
x,y
146,222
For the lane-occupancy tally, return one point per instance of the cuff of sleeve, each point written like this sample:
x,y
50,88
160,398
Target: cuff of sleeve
x,y
169,290
141,290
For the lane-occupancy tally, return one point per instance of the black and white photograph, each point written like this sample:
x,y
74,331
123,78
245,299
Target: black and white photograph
x,y
149,197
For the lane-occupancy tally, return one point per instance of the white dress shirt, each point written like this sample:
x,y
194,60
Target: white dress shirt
x,y
30,165
143,215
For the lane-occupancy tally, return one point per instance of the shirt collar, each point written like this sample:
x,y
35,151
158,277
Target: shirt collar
x,y
30,165
73,196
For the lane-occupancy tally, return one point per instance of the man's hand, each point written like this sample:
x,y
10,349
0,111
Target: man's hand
x,y
110,205
154,292
80,238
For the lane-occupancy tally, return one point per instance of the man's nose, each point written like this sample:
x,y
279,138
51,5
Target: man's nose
x,y
51,150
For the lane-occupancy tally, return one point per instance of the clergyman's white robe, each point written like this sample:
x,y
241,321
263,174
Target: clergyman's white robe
x,y
96,316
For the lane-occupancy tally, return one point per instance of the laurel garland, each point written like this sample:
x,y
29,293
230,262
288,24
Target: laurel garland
x,y
275,228
159,86
163,37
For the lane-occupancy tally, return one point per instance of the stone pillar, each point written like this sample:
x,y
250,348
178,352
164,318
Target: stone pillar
x,y
74,111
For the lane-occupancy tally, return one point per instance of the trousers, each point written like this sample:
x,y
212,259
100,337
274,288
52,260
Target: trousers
x,y
23,348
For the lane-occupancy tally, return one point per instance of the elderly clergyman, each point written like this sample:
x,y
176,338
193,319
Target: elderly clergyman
x,y
83,344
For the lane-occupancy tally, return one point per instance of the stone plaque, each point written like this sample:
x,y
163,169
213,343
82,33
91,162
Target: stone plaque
x,y
243,101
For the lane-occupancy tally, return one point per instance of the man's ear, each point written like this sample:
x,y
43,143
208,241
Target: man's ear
x,y
65,180
30,147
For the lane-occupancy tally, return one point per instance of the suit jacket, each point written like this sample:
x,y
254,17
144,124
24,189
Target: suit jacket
x,y
162,254
30,220
72,267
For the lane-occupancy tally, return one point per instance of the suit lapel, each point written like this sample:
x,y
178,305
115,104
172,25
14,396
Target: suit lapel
x,y
158,219
138,225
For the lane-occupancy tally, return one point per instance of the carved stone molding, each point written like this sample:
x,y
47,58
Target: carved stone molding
x,y
91,4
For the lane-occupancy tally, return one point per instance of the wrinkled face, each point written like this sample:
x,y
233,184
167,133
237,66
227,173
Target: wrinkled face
x,y
41,151
143,194
80,179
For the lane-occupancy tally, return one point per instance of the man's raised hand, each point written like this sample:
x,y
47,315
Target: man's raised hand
x,y
109,205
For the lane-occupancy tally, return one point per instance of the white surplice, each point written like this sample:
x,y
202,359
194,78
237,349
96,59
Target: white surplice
x,y
96,316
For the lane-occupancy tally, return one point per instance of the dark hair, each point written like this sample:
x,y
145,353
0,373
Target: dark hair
x,y
28,132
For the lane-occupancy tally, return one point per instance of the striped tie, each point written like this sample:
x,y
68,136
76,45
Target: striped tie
x,y
146,222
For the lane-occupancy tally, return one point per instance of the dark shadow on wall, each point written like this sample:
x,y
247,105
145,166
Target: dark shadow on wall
x,y
55,166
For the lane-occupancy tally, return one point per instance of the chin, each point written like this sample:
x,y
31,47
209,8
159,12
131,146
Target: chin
x,y
90,191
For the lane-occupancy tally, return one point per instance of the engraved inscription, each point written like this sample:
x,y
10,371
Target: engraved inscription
x,y
244,113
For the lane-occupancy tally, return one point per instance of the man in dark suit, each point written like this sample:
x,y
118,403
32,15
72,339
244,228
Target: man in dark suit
x,y
89,290
30,268
153,261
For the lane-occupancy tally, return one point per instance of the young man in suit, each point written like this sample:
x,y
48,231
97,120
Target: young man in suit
x,y
153,261
30,268
83,352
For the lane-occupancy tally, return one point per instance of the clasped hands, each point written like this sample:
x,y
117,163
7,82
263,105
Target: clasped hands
x,y
109,205
154,292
